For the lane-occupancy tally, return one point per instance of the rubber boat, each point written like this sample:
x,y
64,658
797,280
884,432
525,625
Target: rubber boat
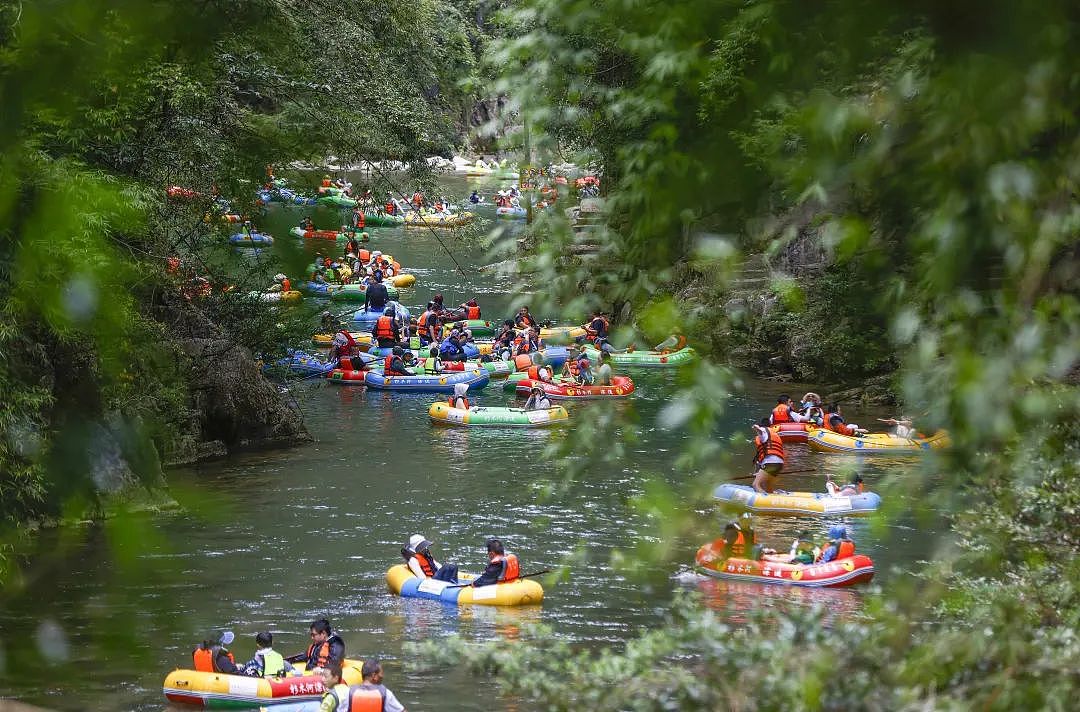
x,y
621,387
495,369
217,690
478,327
342,201
874,443
652,359
441,383
442,413
523,592
382,220
342,292
472,351
255,238
809,503
561,334
305,364
437,220
286,195
362,338
834,574
290,297
510,213
318,234
794,432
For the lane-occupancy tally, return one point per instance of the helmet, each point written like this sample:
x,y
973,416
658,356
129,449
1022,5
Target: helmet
x,y
837,532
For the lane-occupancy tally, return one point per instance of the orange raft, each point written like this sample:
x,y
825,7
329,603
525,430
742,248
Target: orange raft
x,y
776,570
621,387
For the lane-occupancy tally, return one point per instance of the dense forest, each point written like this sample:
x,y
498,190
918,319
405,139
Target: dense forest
x,y
861,193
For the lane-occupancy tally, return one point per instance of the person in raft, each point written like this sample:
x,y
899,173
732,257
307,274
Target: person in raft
x,y
386,331
326,648
839,547
336,691
603,373
417,554
502,566
460,399
525,319
371,695
739,539
267,661
213,656
394,363
849,490
903,427
538,400
784,412
835,422
769,457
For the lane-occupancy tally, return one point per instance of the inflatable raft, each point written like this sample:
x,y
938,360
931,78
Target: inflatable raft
x,y
341,201
794,432
652,359
290,297
523,592
562,334
834,574
478,327
874,443
342,292
221,691
318,234
383,220
255,238
441,383
510,213
363,339
441,412
621,387
305,364
809,503
437,220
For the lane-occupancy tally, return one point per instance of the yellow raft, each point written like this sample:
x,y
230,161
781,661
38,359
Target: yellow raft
x,y
874,443
523,592
438,220
401,281
215,689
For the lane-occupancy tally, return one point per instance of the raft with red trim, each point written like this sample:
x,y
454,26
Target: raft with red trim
x,y
215,690
833,574
794,432
621,387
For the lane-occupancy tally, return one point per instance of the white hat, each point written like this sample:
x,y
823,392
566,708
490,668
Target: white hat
x,y
227,637
461,389
417,542
279,277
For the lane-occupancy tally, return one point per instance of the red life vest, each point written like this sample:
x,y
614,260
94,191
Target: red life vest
x,y
846,549
838,427
204,659
427,564
472,312
389,207
511,570
384,327
773,446
367,698
522,345
454,399
286,285
350,341
534,373
781,414
326,183
417,199
359,216
386,365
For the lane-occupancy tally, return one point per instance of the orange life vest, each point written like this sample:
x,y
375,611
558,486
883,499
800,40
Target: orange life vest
x,y
738,547
422,322
522,345
841,427
386,365
367,698
534,373
384,327
781,414
389,207
522,362
454,399
512,570
326,183
426,563
472,312
286,285
773,446
323,658
204,659
846,549
417,199
359,219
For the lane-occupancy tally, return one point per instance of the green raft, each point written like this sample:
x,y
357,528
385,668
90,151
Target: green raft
x,y
351,292
478,327
342,201
651,359
382,220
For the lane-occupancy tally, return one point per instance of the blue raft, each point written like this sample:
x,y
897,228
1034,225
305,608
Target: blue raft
x,y
255,238
819,504
442,383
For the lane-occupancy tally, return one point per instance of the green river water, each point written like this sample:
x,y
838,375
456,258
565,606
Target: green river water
x,y
282,537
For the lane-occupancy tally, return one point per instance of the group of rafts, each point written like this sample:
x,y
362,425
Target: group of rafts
x,y
836,503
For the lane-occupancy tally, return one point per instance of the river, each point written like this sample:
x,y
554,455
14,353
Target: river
x,y
273,540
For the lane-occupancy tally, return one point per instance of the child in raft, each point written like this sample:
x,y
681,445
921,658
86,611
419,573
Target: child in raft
x,y
849,490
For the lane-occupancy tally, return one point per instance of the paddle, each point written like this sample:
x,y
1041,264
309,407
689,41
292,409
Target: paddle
x,y
785,472
535,573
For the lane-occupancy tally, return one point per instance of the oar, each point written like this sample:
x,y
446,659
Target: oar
x,y
535,573
784,472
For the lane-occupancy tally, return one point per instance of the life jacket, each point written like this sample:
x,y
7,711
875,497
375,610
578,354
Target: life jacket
x,y
367,698
273,663
340,694
326,183
358,219
781,414
427,562
417,199
472,312
422,322
838,427
388,369
349,340
454,399
845,549
527,319
389,208
511,570
773,446
321,656
384,327
522,362
738,547
522,345
205,659
603,330
286,285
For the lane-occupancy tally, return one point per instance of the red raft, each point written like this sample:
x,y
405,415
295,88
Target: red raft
x,y
621,387
773,569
